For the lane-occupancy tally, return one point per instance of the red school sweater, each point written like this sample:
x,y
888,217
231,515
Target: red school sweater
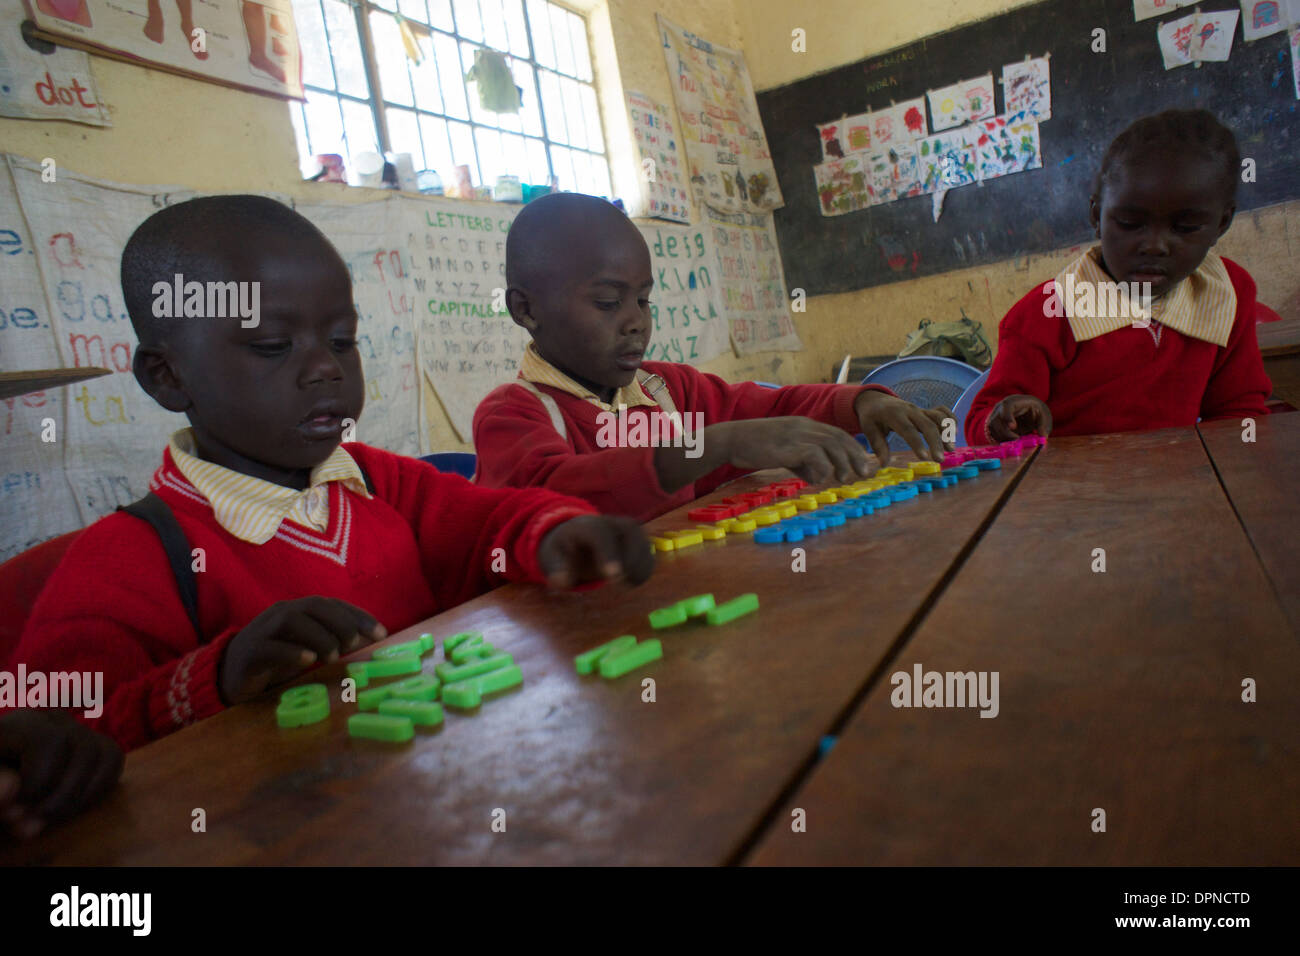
x,y
1132,379
517,444
421,544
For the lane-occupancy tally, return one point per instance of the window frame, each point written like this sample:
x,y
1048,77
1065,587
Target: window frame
x,y
378,104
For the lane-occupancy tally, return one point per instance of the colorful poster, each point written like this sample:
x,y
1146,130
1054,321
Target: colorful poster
x,y
868,178
661,166
1145,9
1197,38
752,283
1007,144
947,160
55,85
1262,18
727,156
900,123
895,174
961,102
253,45
1027,88
842,184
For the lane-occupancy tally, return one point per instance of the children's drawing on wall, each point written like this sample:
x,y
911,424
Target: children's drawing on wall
x,y
1007,144
947,160
842,184
961,102
1198,38
873,130
894,173
900,123
1263,18
1145,9
829,135
1027,88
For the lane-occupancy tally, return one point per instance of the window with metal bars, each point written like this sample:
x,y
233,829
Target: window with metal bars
x,y
366,94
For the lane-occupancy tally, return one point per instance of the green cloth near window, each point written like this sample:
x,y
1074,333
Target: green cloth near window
x,y
497,92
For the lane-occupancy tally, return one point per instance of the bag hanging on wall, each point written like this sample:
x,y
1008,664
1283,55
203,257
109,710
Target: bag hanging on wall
x,y
963,340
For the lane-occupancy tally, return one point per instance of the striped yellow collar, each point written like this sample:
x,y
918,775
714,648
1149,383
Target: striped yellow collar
x,y
533,368
252,509
1203,306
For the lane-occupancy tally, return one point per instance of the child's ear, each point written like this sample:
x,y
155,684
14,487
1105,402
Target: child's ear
x,y
153,370
1226,219
1094,213
520,309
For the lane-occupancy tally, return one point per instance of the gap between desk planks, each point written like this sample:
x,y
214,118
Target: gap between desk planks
x,y
1120,691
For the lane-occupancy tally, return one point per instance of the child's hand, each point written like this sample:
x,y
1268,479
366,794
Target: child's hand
x,y
1018,415
815,452
595,548
287,638
879,414
51,767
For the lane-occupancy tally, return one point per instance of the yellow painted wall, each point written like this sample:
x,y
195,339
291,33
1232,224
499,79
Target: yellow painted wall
x,y
876,321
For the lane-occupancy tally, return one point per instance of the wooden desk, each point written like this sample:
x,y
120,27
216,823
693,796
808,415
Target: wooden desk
x,y
1119,690
1262,481
586,771
1278,338
20,383
1284,372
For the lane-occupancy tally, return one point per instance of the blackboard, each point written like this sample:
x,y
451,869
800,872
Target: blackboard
x,y
1094,96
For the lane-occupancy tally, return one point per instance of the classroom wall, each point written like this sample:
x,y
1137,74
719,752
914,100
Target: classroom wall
x,y
876,321
170,130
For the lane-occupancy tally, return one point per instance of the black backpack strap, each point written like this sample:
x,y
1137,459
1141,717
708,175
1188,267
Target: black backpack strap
x,y
365,476
154,510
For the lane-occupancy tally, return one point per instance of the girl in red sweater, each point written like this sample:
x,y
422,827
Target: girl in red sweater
x,y
1087,352
579,281
306,548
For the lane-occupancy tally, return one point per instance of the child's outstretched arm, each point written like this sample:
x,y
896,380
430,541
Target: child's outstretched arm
x,y
1013,401
472,539
519,447
871,409
51,768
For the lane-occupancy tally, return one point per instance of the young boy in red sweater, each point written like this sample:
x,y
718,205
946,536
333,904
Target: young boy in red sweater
x,y
309,548
579,279
1084,354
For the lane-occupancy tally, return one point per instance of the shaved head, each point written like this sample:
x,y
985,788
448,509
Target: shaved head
x,y
579,280
558,234
198,239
